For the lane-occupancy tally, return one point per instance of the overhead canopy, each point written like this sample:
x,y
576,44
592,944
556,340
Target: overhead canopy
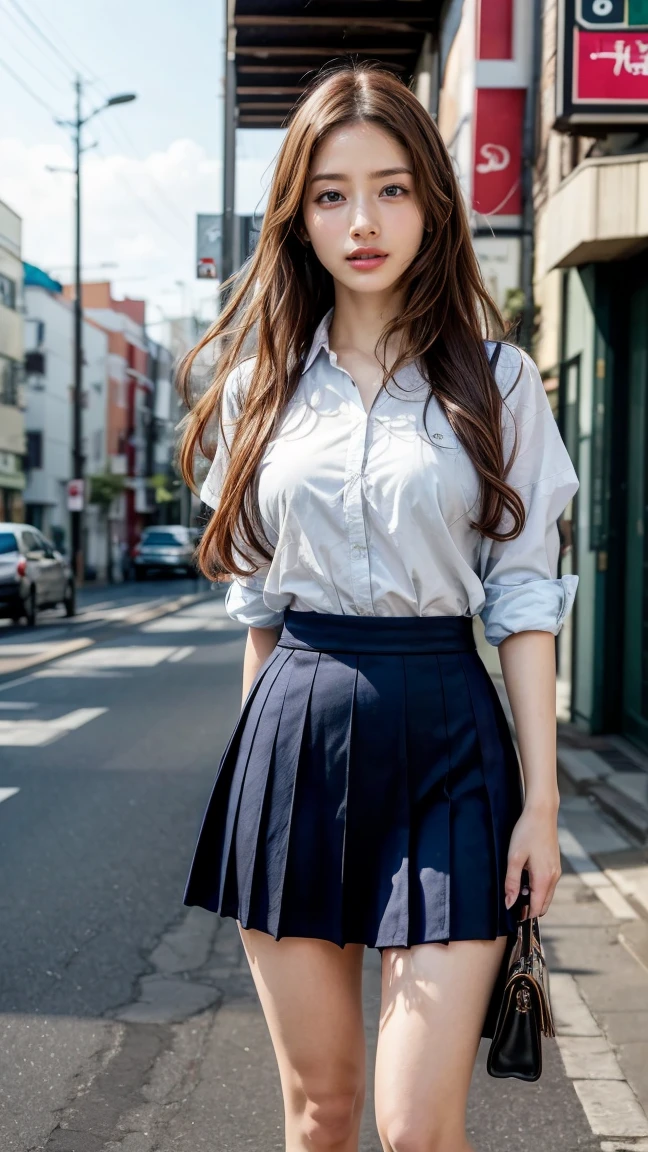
x,y
281,45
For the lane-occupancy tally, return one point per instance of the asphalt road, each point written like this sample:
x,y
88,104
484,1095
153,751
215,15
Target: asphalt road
x,y
129,1022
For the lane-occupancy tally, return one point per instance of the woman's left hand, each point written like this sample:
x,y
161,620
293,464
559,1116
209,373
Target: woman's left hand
x,y
534,846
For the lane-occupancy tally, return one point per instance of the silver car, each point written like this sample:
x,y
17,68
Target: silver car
x,y
33,574
169,548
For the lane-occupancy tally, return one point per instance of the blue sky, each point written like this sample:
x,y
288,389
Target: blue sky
x,y
157,162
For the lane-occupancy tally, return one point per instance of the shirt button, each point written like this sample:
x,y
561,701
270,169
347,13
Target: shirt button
x,y
438,435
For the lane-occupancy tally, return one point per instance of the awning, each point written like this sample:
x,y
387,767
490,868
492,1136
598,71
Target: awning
x,y
281,45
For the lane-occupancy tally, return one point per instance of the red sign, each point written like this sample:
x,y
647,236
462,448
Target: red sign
x,y
497,170
495,30
610,67
75,495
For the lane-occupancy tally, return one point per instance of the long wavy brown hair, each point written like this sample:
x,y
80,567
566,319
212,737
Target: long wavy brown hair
x,y
275,302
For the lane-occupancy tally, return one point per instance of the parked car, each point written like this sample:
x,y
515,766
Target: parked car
x,y
33,574
170,548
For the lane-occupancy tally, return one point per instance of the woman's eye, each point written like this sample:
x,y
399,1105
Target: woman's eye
x,y
320,198
394,188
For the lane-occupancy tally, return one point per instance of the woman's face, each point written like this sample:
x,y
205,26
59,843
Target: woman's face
x,y
360,195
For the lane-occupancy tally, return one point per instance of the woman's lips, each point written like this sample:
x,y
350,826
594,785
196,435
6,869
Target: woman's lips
x,y
366,263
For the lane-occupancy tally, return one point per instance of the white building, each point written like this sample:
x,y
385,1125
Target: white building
x,y
12,438
49,343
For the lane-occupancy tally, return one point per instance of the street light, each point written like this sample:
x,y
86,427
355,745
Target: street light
x,y
77,449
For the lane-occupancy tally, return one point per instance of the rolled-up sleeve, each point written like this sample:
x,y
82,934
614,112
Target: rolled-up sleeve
x,y
522,589
244,597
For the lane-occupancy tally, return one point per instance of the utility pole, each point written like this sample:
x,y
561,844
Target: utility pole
x,y
229,142
76,513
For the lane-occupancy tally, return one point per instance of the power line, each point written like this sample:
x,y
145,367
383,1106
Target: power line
x,y
146,203
112,130
79,62
31,64
46,40
28,90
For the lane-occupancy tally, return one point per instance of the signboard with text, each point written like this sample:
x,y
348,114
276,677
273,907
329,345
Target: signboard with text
x,y
602,66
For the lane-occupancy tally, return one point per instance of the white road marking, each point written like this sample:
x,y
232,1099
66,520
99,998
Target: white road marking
x,y
611,1107
14,706
572,1016
608,1101
37,733
77,674
18,657
615,1146
134,656
181,654
7,793
631,882
592,876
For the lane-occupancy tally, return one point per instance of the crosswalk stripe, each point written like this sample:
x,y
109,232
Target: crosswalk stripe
x,y
180,654
36,733
6,793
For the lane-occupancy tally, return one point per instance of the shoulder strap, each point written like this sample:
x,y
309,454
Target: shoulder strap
x,y
494,357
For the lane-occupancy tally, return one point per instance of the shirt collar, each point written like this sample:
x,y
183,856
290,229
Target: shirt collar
x,y
320,339
409,374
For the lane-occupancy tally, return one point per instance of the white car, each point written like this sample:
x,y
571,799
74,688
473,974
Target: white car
x,y
33,574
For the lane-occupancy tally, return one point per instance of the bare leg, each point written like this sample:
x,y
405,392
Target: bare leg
x,y
434,1001
311,995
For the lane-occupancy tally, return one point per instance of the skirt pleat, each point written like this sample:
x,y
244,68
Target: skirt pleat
x,y
368,791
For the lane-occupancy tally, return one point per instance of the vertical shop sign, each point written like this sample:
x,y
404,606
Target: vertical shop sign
x,y
497,169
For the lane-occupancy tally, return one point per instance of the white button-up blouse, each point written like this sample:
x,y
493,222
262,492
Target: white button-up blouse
x,y
367,512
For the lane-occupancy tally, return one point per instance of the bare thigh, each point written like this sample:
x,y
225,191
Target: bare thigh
x,y
434,1001
311,994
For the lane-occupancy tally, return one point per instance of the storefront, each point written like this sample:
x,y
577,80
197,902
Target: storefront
x,y
591,284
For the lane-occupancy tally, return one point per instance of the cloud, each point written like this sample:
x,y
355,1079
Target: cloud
x,y
139,213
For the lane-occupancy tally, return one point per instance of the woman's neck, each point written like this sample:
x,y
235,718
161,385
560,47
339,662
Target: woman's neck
x,y
358,320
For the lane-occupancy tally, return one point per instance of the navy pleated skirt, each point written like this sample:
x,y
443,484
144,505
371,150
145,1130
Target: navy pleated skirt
x,y
368,791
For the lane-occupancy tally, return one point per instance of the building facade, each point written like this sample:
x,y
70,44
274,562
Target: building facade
x,y
49,369
591,289
486,108
12,429
130,401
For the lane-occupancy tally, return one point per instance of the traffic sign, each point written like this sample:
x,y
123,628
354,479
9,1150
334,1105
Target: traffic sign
x,y
75,492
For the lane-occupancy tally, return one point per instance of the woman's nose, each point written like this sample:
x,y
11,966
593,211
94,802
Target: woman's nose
x,y
361,225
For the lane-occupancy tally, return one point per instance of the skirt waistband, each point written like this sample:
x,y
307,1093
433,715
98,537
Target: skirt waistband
x,y
332,632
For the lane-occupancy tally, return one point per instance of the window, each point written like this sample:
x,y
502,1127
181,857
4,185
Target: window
x,y
35,363
160,539
7,291
34,450
29,542
9,378
8,543
44,544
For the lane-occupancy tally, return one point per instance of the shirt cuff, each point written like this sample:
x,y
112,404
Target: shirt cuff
x,y
244,602
537,605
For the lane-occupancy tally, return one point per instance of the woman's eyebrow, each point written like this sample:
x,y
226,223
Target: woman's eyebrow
x,y
372,175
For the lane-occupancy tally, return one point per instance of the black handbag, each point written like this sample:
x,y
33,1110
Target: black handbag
x,y
525,1012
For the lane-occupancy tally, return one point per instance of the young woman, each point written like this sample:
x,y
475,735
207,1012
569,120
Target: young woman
x,y
376,483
